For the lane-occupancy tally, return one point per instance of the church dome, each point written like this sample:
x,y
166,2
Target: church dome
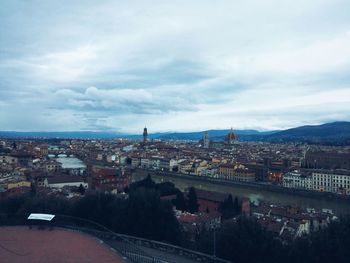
x,y
231,136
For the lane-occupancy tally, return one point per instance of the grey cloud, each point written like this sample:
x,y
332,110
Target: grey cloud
x,y
137,101
184,62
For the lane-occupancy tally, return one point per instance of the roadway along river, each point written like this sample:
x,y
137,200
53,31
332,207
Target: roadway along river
x,y
255,195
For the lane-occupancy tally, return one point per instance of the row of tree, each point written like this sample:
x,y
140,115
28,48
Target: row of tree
x,y
143,214
181,202
229,208
245,240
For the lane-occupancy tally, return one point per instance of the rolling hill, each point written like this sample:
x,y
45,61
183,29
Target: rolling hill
x,y
335,133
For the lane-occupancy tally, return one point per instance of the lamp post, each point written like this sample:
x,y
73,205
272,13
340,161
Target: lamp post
x,y
214,242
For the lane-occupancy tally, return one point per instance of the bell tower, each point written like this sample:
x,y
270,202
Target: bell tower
x,y
206,141
145,135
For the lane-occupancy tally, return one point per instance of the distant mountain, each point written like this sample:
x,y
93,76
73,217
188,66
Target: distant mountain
x,y
61,135
337,133
213,135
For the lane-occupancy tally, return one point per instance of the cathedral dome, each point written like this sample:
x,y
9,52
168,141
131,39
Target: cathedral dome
x,y
231,136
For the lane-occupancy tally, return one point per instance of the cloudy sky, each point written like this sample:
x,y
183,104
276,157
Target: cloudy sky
x,y
173,65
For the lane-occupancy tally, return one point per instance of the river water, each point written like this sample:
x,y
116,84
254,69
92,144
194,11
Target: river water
x,y
69,162
255,195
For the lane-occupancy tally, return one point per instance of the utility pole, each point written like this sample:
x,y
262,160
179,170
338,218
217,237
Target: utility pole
x,y
214,243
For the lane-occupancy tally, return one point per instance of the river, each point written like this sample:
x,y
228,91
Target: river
x,y
255,195
70,162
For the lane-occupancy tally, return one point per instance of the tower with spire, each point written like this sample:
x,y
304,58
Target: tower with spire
x,y
145,135
206,141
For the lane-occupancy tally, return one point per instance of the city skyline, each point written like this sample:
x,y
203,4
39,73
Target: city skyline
x,y
118,66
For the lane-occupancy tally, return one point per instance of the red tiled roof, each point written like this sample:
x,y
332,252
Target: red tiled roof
x,y
64,179
187,218
211,196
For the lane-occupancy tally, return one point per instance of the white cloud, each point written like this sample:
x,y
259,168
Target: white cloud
x,y
175,65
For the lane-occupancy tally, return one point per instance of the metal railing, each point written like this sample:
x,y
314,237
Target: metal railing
x,y
129,247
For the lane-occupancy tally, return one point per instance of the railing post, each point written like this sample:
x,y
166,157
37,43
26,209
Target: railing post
x,y
214,248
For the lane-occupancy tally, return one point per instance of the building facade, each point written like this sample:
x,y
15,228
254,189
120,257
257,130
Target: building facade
x,y
297,180
331,181
236,173
337,182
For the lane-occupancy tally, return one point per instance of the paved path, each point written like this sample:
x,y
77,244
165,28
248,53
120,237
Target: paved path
x,y
21,244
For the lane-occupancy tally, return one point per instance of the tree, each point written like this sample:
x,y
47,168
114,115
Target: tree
x,y
180,201
236,207
145,183
167,188
243,241
146,215
229,208
33,189
328,245
81,189
192,200
148,182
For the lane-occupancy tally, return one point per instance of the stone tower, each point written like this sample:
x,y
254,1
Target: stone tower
x,y
145,135
206,141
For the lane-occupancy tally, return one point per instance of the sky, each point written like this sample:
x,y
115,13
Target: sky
x,y
173,65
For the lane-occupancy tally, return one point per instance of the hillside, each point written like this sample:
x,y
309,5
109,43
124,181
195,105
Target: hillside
x,y
213,135
337,133
61,135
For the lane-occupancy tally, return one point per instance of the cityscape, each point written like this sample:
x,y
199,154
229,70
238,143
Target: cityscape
x,y
174,131
290,189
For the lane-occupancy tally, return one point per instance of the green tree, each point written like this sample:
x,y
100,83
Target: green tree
x,y
243,241
81,189
236,206
147,216
167,188
229,208
328,245
145,183
192,200
180,201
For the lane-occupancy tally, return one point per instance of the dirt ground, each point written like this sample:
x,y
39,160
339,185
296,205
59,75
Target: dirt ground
x,y
21,244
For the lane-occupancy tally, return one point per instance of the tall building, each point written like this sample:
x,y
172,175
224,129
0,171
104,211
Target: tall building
x,y
206,141
145,135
